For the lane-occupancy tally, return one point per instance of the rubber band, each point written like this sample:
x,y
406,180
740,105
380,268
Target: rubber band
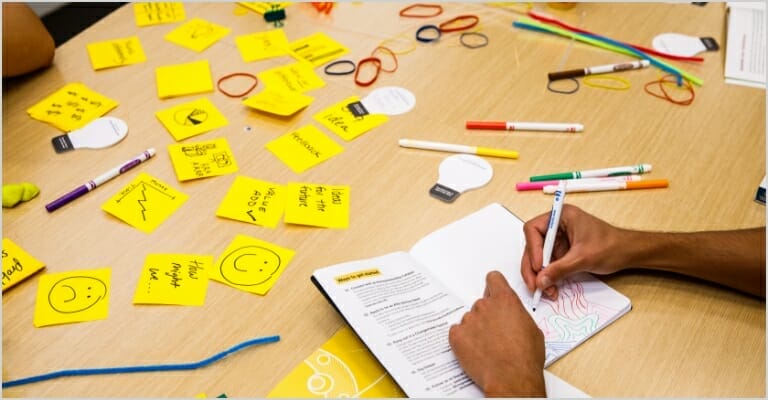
x,y
141,368
236,95
392,53
329,68
438,10
474,18
401,37
422,39
473,46
576,89
360,67
666,95
592,81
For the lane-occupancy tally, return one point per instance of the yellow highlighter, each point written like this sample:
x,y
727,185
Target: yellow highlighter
x,y
457,148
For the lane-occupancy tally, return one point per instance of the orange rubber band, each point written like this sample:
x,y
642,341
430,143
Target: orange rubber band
x,y
666,95
474,18
392,53
360,64
236,95
438,10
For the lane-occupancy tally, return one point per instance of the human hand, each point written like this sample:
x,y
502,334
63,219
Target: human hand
x,y
499,345
583,243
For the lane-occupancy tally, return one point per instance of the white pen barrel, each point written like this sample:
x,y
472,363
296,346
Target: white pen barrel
x,y
426,145
544,126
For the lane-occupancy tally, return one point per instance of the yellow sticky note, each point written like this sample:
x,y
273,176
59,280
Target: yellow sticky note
x,y
317,205
73,296
296,77
197,34
180,279
279,102
262,7
202,159
192,118
18,264
116,52
253,201
340,120
341,368
71,107
145,203
183,79
317,49
251,264
262,45
304,148
155,13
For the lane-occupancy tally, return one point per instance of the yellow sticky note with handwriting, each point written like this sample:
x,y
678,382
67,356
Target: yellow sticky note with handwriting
x,y
183,79
317,205
341,368
202,159
73,296
253,201
154,13
317,49
251,264
295,77
178,279
197,34
71,107
340,120
192,118
17,264
262,45
261,6
304,148
145,202
116,53
279,102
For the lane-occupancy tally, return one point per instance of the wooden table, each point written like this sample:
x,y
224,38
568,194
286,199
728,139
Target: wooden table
x,y
682,338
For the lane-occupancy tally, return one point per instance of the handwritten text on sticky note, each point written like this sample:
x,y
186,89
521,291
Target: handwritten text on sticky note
x,y
304,148
154,13
17,264
145,203
251,264
317,49
317,205
71,107
197,34
73,296
296,77
262,45
202,159
180,279
278,101
340,120
253,201
115,53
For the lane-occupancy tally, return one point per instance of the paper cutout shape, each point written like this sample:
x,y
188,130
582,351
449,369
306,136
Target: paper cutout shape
x,y
71,107
296,77
253,201
74,296
341,368
262,7
279,102
100,133
17,264
183,79
262,45
251,265
317,205
190,119
339,119
158,13
145,203
116,53
178,279
197,34
317,49
202,159
304,148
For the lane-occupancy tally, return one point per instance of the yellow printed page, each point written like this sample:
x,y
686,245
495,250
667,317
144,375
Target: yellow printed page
x,y
116,53
251,265
17,264
278,101
183,79
202,159
340,120
253,201
74,296
145,203
296,77
190,119
154,13
317,205
262,45
304,148
180,279
197,34
71,107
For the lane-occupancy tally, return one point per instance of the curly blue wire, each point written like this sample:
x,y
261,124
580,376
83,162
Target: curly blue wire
x,y
141,368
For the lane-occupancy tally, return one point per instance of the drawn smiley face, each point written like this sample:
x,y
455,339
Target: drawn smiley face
x,y
250,266
76,293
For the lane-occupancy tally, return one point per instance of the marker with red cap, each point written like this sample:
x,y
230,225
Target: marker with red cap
x,y
525,126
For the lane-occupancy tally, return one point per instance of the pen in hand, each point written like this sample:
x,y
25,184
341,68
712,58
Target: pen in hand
x,y
549,237
99,180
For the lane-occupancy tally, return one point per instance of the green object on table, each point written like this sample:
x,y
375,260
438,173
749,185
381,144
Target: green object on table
x,y
15,193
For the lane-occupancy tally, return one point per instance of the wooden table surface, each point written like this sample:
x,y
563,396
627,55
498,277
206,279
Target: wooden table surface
x,y
682,338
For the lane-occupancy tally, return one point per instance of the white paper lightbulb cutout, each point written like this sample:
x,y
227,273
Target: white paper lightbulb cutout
x,y
459,173
97,134
683,45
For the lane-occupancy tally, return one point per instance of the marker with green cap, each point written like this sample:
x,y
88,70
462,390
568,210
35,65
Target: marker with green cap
x,y
595,173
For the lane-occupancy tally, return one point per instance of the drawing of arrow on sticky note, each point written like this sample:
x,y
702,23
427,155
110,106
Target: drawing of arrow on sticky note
x,y
145,203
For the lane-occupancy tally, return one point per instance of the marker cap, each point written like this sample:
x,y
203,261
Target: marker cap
x,y
491,125
485,151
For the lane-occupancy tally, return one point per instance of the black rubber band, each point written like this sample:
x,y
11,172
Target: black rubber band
x,y
339,62
473,46
428,39
563,91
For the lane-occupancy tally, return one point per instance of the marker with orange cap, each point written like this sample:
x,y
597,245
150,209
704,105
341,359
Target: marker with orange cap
x,y
525,126
576,186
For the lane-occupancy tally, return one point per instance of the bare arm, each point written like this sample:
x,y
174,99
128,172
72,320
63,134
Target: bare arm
x,y
27,44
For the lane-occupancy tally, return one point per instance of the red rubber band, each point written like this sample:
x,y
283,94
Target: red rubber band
x,y
362,62
475,19
236,95
437,7
666,95
392,53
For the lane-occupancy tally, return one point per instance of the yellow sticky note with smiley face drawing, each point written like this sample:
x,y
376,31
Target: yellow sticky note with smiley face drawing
x,y
251,264
340,120
296,77
262,45
253,201
202,159
180,279
145,202
17,264
116,53
304,148
197,34
317,205
73,296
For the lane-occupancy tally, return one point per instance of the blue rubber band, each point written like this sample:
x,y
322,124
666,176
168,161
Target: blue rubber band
x,y
141,368
427,39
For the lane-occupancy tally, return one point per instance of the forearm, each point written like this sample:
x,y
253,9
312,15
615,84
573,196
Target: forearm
x,y
731,258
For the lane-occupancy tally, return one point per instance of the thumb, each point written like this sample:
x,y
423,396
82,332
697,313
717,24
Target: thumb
x,y
557,271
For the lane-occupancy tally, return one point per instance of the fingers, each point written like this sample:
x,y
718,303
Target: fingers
x,y
496,284
530,264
